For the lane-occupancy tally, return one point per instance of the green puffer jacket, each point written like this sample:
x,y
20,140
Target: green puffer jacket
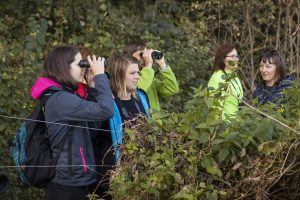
x,y
163,86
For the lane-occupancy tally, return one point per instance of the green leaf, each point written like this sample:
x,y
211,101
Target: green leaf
x,y
211,195
203,138
218,141
214,170
202,185
202,125
223,154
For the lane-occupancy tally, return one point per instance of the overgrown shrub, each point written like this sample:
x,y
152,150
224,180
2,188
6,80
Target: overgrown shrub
x,y
194,155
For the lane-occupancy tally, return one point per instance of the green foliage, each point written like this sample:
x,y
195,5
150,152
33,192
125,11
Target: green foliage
x,y
29,29
194,155
188,33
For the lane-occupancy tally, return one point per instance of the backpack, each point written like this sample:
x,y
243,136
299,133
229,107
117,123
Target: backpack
x,y
31,151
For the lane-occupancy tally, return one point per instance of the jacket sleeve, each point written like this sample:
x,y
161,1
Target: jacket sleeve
x,y
70,107
166,84
146,78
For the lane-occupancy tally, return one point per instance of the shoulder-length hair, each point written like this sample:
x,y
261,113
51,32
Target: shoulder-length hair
x,y
274,57
134,46
57,65
220,56
117,70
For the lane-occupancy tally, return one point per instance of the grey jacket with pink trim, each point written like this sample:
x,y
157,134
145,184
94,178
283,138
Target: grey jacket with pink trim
x,y
65,107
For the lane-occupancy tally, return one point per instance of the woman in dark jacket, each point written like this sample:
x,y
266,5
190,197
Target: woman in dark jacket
x,y
75,165
274,80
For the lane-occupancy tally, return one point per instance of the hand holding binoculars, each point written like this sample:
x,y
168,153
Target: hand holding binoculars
x,y
85,64
155,55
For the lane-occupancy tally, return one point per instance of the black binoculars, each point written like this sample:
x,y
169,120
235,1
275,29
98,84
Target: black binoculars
x,y
85,64
3,181
156,55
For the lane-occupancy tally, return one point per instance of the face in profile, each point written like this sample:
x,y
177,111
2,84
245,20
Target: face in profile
x,y
268,72
231,60
132,77
77,73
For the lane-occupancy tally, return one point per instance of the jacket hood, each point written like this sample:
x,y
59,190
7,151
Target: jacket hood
x,y
41,85
288,81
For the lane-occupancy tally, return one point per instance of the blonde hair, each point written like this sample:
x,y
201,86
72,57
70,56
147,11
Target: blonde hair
x,y
117,69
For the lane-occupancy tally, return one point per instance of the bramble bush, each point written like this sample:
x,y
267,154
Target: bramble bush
x,y
195,155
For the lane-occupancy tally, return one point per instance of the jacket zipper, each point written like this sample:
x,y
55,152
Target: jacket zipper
x,y
83,159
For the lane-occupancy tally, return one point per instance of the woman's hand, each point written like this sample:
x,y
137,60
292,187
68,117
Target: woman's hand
x,y
147,57
161,62
90,78
96,64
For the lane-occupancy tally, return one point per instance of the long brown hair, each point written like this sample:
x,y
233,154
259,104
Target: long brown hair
x,y
117,69
57,65
221,54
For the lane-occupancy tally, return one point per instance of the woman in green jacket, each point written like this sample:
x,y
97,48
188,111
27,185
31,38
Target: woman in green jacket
x,y
164,85
224,80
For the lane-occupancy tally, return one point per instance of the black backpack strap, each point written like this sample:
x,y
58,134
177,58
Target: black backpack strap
x,y
62,144
67,137
46,95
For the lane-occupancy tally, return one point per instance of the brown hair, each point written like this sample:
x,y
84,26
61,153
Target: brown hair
x,y
133,46
57,65
117,69
274,57
85,52
221,54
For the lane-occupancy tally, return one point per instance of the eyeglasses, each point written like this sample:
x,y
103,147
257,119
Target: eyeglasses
x,y
233,56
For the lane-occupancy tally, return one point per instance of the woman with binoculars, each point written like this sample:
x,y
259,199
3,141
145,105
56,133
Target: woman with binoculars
x,y
62,74
164,85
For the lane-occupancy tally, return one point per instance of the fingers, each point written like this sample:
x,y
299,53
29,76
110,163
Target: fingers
x,y
97,64
147,57
89,59
148,52
93,58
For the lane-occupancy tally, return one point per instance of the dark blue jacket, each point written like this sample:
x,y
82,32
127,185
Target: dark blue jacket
x,y
65,108
273,94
